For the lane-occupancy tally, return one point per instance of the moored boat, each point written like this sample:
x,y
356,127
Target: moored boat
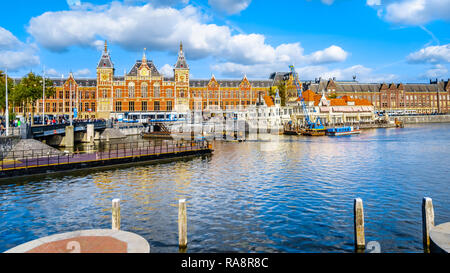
x,y
342,131
313,132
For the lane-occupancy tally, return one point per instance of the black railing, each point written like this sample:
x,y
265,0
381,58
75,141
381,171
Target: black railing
x,y
38,131
45,157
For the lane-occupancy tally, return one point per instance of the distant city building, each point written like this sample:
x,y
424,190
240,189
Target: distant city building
x,y
420,98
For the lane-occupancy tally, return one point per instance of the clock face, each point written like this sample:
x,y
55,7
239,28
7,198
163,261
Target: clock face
x,y
104,77
144,72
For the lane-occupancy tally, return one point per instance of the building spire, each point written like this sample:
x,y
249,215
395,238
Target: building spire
x,y
181,62
106,46
144,58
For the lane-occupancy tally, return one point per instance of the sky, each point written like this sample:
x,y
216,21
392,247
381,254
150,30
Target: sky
x,y
374,40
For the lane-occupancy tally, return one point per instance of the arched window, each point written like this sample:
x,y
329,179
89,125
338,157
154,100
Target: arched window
x,y
131,90
156,90
118,93
144,90
169,93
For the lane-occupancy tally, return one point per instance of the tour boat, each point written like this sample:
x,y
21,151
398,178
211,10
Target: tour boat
x,y
313,131
343,131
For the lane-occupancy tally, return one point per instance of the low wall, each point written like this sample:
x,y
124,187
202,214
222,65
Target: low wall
x,y
130,129
423,119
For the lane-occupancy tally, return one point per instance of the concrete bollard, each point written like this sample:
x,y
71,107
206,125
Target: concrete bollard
x,y
427,221
69,137
90,133
360,241
116,214
182,224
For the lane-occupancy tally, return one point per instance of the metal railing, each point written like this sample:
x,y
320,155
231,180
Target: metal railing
x,y
46,157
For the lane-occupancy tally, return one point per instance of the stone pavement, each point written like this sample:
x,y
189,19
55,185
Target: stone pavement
x,y
87,241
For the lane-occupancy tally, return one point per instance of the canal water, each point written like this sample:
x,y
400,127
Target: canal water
x,y
289,194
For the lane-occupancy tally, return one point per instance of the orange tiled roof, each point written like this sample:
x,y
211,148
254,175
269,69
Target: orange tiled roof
x,y
269,101
338,102
362,102
308,95
358,102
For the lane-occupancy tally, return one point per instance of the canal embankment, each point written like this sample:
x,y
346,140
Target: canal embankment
x,y
24,163
424,119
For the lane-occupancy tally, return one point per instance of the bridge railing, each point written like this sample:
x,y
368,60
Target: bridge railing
x,y
45,157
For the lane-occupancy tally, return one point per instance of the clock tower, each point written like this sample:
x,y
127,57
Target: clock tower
x,y
181,78
105,78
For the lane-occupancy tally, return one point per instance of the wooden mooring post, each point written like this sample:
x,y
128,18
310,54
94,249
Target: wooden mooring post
x,y
116,214
360,242
182,224
427,221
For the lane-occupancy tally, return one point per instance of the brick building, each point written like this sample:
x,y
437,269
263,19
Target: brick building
x,y
145,89
395,97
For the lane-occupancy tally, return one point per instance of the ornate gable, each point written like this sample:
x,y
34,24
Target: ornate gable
x,y
244,83
331,86
384,87
213,82
393,87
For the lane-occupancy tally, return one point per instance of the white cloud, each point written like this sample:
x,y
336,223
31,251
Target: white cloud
x,y
15,54
8,40
82,73
73,2
373,2
437,71
167,70
412,12
328,55
327,2
161,29
431,54
363,74
52,73
229,6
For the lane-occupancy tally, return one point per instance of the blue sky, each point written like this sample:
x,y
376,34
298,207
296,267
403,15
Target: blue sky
x,y
376,40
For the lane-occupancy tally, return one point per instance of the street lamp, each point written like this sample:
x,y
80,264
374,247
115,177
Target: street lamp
x,y
71,106
7,110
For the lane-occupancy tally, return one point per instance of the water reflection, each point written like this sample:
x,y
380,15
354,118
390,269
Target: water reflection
x,y
293,194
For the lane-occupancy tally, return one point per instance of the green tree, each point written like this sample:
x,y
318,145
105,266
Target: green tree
x,y
282,91
272,91
332,96
29,91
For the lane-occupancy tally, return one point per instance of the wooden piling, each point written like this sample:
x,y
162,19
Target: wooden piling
x,y
427,221
116,214
182,224
360,242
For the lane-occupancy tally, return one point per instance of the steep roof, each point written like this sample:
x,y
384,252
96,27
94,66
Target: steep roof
x,y
105,60
135,69
181,62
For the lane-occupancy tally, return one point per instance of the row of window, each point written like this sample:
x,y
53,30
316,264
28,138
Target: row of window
x,y
144,106
59,107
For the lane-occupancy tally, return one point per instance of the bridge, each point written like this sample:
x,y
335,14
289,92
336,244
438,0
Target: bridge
x,y
60,129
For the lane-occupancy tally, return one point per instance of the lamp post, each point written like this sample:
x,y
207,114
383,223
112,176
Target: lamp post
x,y
6,106
71,106
43,98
